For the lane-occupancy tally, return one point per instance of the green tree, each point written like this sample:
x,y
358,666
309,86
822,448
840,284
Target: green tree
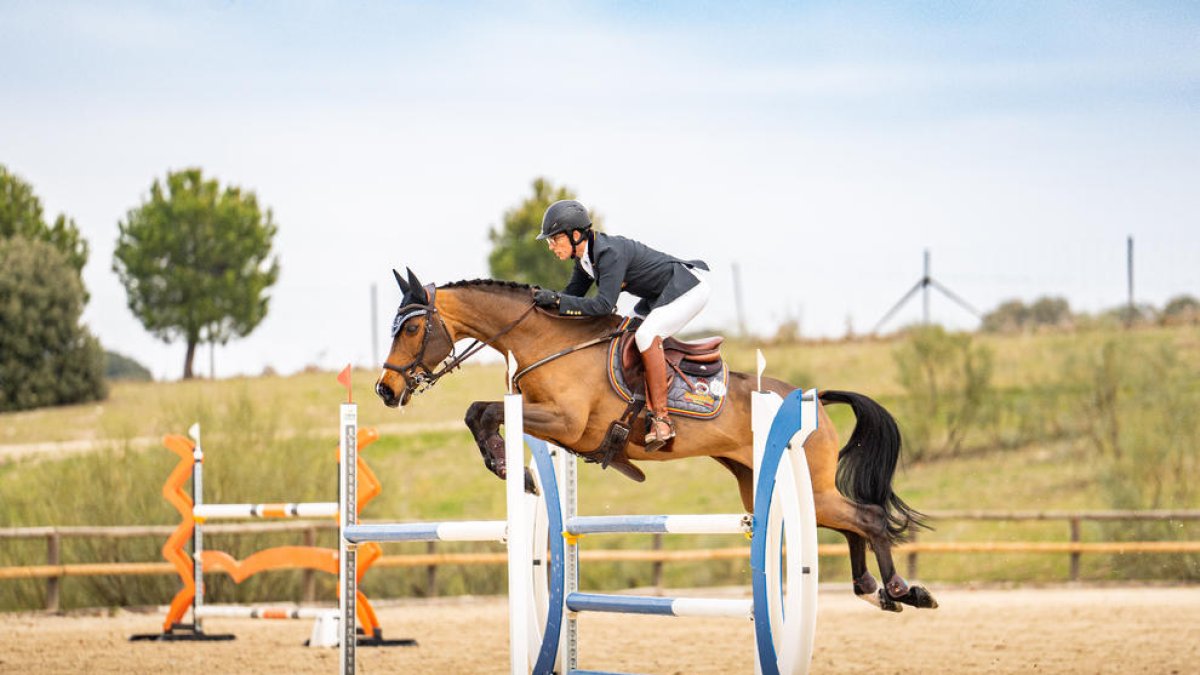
x,y
516,254
46,357
1050,311
1009,317
196,261
21,216
121,367
1181,310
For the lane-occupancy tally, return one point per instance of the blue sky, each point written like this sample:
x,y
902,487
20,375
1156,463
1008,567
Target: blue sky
x,y
822,146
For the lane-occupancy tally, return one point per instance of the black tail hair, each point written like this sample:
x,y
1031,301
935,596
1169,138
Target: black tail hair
x,y
868,462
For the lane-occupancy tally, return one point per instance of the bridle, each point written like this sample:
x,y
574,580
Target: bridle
x,y
418,376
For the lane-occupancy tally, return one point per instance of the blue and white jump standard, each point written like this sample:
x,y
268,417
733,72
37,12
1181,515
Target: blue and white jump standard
x,y
784,612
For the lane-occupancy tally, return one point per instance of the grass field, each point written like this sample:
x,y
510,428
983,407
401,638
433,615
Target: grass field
x,y
273,438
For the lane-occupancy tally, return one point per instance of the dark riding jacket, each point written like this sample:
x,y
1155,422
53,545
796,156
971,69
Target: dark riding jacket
x,y
623,264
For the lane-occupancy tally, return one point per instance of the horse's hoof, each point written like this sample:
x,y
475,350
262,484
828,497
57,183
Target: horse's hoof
x,y
887,604
917,596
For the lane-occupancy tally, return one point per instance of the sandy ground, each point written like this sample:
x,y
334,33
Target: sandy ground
x,y
1094,630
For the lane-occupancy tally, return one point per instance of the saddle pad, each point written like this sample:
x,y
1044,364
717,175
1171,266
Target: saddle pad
x,y
704,402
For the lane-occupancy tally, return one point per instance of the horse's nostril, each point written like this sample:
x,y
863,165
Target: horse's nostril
x,y
384,391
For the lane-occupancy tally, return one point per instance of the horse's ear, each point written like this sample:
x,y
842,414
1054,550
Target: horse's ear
x,y
418,291
400,280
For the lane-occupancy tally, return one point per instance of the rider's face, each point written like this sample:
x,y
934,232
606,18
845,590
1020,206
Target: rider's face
x,y
560,245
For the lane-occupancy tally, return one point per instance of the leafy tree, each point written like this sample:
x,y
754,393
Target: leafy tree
x,y
1048,311
1013,316
21,215
1181,309
196,261
121,367
46,357
516,254
1010,316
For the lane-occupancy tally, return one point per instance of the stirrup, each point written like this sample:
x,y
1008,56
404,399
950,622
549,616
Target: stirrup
x,y
654,442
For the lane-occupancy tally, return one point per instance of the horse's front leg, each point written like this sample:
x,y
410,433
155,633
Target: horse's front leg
x,y
481,419
484,418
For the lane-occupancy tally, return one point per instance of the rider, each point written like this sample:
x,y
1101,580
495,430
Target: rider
x,y
672,292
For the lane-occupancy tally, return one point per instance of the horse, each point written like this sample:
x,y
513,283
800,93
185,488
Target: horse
x,y
569,402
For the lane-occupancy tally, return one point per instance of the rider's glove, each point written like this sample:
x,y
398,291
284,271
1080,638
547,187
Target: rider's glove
x,y
544,298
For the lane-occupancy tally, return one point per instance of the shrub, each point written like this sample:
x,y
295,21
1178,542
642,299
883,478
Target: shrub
x,y
46,357
948,381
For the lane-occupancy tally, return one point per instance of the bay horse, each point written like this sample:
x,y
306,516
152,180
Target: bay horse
x,y
569,402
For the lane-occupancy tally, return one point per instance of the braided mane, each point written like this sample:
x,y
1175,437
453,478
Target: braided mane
x,y
496,283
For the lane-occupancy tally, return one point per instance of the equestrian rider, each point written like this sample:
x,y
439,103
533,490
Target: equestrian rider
x,y
672,293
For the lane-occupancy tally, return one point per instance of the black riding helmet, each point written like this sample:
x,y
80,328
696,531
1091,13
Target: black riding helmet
x,y
564,216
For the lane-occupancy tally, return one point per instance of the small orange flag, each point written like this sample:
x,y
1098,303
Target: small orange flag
x,y
344,380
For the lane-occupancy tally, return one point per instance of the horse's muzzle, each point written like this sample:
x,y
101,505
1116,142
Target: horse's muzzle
x,y
386,394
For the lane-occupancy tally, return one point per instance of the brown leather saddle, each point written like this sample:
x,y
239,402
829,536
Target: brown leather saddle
x,y
699,358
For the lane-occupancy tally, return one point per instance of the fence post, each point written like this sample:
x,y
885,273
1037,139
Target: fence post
x,y
310,579
912,557
1075,554
53,584
431,572
658,565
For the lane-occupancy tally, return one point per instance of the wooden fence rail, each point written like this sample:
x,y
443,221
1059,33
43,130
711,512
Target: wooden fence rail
x,y
54,570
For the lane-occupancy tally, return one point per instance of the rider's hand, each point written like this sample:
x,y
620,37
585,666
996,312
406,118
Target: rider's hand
x,y
544,298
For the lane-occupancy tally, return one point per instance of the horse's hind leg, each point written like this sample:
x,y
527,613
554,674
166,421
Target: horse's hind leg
x,y
897,589
864,524
865,585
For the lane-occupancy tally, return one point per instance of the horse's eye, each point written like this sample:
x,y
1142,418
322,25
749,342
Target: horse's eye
x,y
411,329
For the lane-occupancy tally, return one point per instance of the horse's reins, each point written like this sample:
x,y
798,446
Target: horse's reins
x,y
559,354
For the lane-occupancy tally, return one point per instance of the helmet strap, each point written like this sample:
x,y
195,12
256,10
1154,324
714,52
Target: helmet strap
x,y
575,242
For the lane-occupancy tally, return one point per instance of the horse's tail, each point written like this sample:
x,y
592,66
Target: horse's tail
x,y
868,462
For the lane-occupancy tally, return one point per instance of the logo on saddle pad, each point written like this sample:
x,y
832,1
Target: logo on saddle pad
x,y
697,387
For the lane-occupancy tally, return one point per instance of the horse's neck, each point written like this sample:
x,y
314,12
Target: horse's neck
x,y
482,314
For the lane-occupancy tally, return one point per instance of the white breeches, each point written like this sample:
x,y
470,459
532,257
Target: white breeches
x,y
669,319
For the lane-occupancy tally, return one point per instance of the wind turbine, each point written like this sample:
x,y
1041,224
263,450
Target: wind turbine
x,y
923,285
